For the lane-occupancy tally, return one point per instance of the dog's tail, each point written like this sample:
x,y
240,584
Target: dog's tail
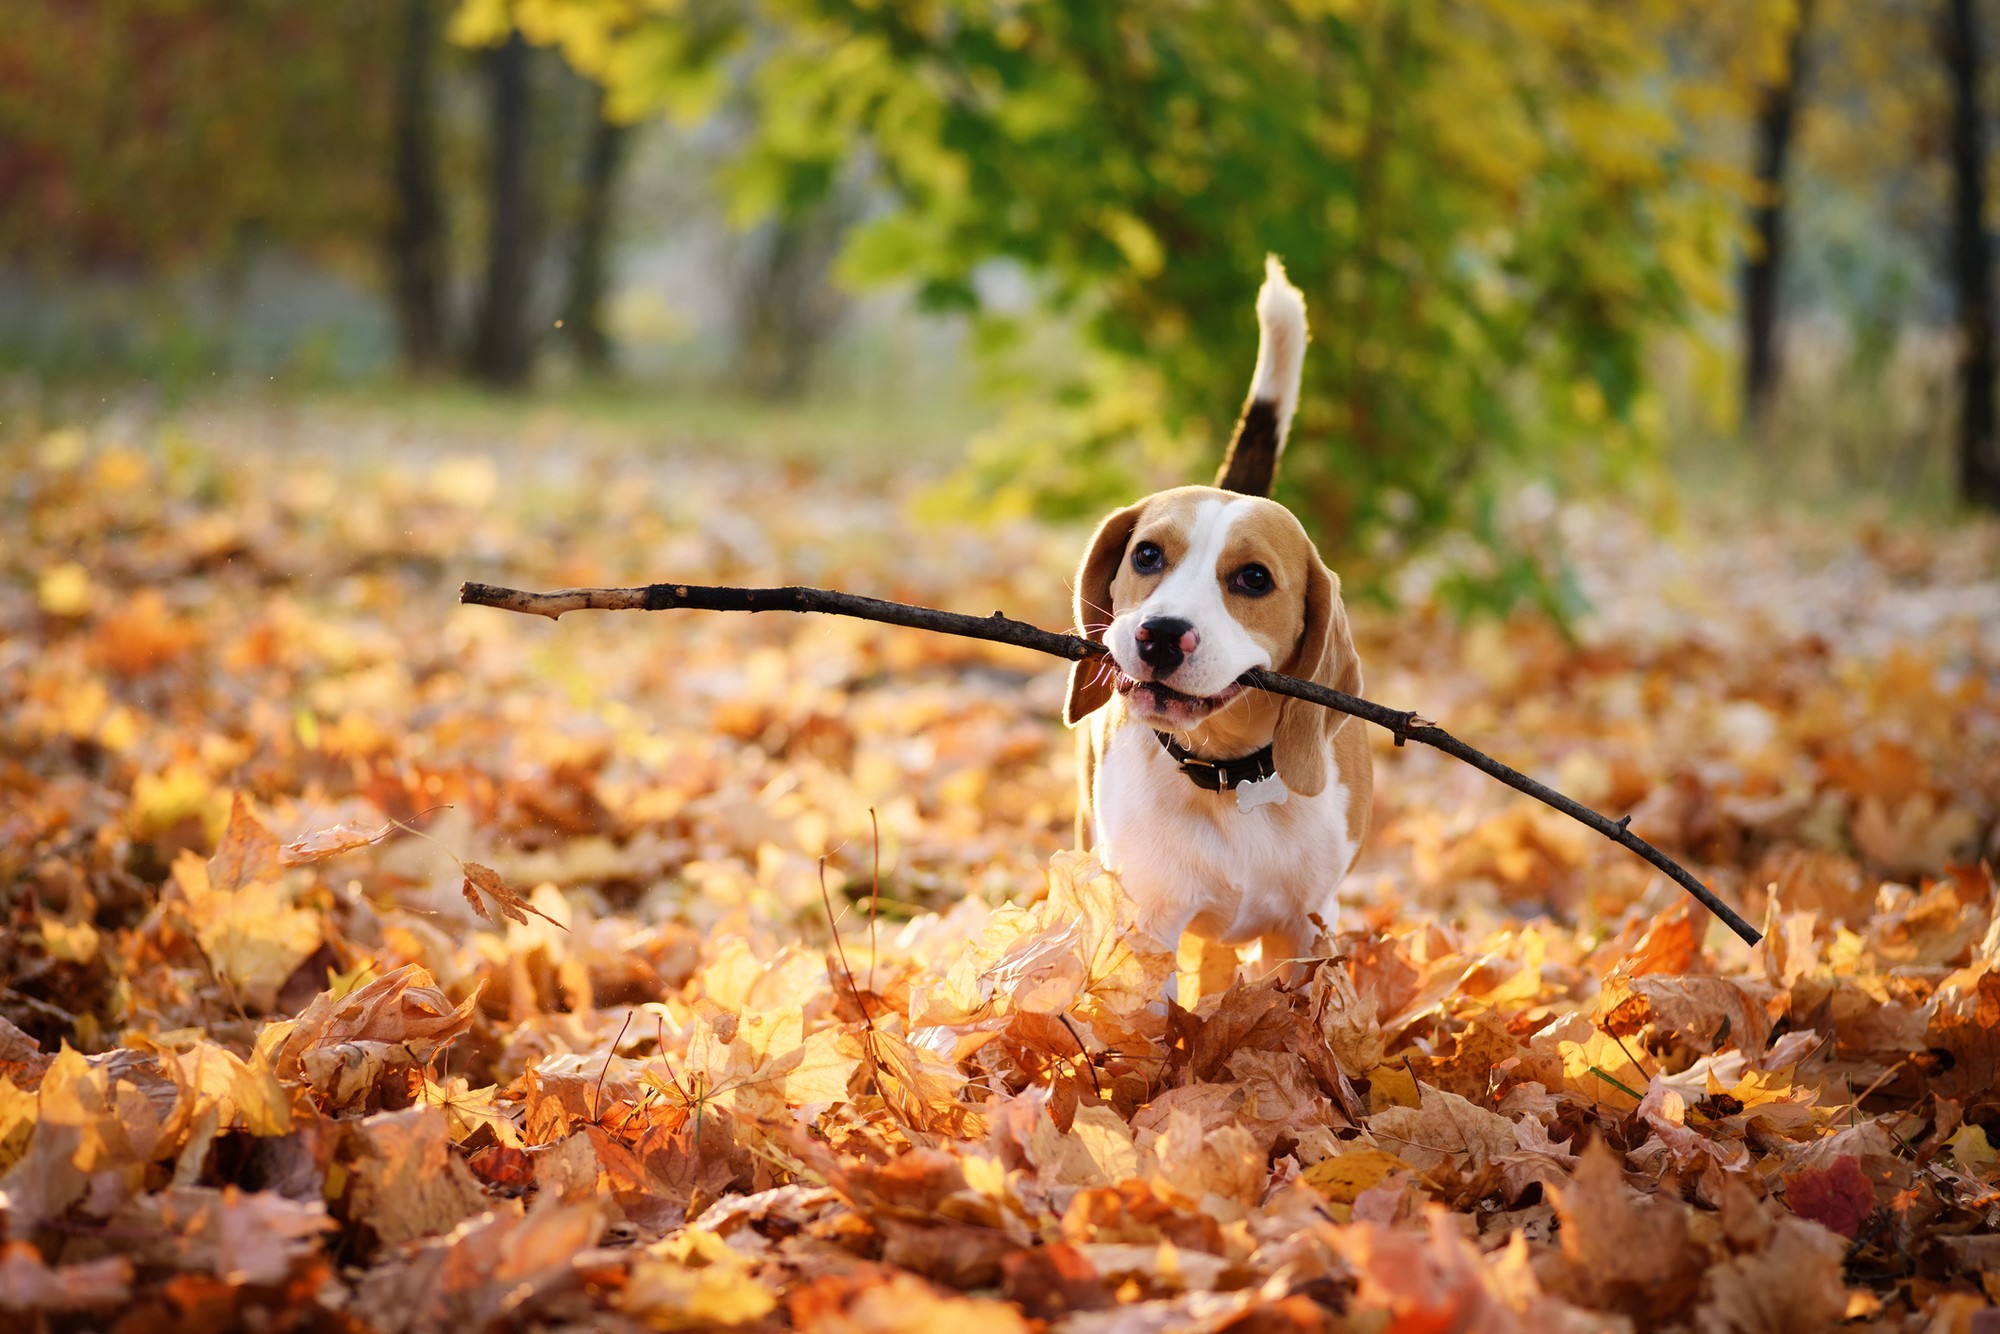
x,y
1252,461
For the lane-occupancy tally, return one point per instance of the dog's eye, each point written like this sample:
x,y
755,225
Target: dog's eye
x,y
1252,579
1147,558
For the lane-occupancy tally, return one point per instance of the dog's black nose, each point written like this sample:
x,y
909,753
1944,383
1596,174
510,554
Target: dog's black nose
x,y
1164,642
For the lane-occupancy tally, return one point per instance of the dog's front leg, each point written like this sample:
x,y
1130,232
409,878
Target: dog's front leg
x,y
1086,789
1165,926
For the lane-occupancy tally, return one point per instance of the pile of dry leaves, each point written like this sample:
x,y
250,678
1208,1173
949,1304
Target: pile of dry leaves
x,y
377,964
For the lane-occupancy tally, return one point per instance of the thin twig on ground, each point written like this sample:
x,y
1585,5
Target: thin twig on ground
x,y
1403,724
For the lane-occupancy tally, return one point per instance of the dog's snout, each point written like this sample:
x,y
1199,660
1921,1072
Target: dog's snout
x,y
1164,642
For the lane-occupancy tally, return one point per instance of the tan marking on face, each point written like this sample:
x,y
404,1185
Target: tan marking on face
x,y
1269,536
1167,519
1183,522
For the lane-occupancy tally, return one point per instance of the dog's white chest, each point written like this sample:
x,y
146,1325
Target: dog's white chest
x,y
1233,869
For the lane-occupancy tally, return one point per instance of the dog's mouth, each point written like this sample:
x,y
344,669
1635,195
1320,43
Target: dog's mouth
x,y
1163,704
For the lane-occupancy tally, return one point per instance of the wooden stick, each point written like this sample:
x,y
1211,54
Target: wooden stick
x,y
1403,724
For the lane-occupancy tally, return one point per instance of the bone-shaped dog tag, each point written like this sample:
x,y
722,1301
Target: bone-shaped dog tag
x,y
1261,792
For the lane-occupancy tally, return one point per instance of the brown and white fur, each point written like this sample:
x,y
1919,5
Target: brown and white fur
x,y
1227,866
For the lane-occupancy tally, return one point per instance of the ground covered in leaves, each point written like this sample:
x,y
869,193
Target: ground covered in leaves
x,y
373,963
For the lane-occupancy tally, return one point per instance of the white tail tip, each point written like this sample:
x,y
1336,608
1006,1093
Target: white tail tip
x,y
1281,343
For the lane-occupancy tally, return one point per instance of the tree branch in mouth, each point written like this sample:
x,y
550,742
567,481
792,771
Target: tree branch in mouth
x,y
1403,724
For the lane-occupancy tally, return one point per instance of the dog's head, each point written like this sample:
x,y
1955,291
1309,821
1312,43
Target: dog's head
x,y
1191,588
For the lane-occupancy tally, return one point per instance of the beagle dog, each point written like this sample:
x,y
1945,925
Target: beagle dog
x,y
1224,810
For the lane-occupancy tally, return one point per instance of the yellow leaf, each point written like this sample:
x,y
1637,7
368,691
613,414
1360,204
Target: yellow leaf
x,y
821,1071
1125,970
1760,1086
339,985
92,1132
481,23
1135,240
1100,1149
1345,1176
256,939
672,1296
61,449
64,590
1588,1061
1348,1021
694,1279
69,942
1392,1086
1974,1154
161,801
17,1121
246,1094
466,1109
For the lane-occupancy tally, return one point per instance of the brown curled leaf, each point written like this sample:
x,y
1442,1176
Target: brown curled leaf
x,y
485,880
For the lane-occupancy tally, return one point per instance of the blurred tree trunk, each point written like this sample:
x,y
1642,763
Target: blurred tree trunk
x,y
503,344
416,232
1972,261
583,312
1764,265
789,305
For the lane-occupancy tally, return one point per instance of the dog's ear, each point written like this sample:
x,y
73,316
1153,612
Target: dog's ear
x,y
1300,744
1090,679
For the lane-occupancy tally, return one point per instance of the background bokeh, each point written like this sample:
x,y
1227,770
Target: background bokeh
x,y
1576,242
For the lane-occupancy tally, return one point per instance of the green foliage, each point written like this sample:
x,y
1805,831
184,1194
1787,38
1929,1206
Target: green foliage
x,y
1492,207
1502,569
1066,455
653,58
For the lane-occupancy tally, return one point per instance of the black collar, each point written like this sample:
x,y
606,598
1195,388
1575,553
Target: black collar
x,y
1219,775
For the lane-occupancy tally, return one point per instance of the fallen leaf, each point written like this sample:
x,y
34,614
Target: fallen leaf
x,y
485,880
1444,1128
1623,1251
1838,1198
489,1271
242,1237
1792,1285
342,1045
1050,1281
1973,1153
1530,1092
407,1183
1344,1176
1347,1019
28,1284
319,844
